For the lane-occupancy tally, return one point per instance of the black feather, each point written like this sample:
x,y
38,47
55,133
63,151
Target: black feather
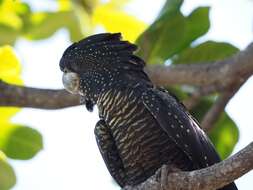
x,y
89,105
101,51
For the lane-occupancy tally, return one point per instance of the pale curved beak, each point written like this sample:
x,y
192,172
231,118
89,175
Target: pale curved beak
x,y
71,82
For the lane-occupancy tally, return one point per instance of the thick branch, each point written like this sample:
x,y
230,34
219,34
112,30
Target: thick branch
x,y
11,95
221,75
210,178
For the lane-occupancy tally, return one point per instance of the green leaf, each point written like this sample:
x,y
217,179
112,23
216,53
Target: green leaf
x,y
206,52
8,35
20,142
224,135
170,7
7,175
197,24
43,25
13,21
172,32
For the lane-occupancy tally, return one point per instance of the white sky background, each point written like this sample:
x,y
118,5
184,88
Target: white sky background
x,y
70,159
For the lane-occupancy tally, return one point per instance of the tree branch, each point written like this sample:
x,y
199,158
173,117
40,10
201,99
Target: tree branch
x,y
221,75
210,178
18,96
198,94
213,114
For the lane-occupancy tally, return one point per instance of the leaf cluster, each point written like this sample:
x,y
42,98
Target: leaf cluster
x,y
16,141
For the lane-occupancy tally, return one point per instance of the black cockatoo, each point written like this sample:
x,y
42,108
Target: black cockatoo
x,y
141,126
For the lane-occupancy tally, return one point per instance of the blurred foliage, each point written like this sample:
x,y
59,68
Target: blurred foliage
x,y
206,52
80,18
224,135
7,175
17,142
175,30
172,37
10,68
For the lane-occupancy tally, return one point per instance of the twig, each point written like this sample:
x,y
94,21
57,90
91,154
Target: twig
x,y
198,94
210,178
213,114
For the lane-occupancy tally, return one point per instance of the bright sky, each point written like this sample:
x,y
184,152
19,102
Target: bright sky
x,y
70,159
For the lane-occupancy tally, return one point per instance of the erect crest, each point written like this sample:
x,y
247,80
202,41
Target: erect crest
x,y
102,50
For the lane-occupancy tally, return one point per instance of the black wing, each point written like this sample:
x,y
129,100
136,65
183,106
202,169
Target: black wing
x,y
180,127
109,152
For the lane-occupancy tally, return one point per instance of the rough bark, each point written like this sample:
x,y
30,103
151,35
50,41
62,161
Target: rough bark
x,y
19,96
220,74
